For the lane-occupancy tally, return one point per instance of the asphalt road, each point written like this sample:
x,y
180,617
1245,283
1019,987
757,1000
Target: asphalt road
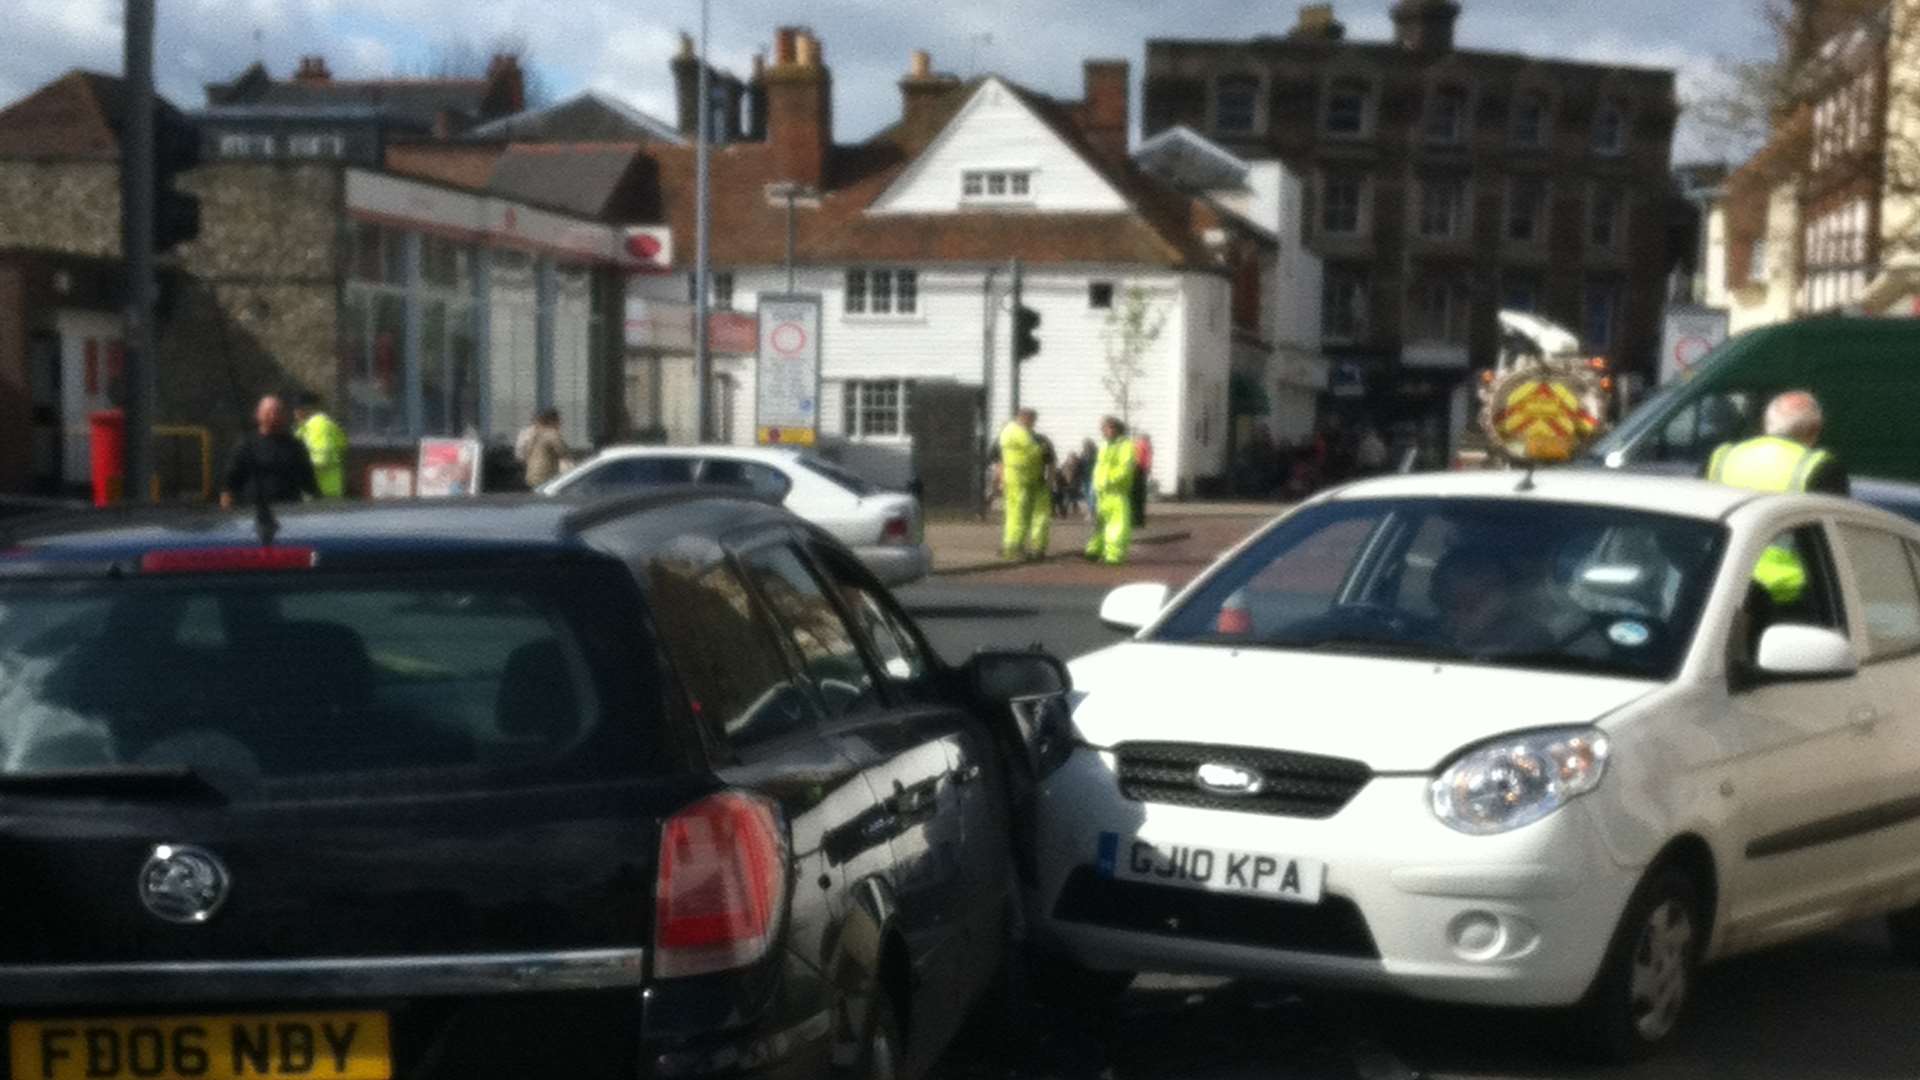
x,y
1836,1007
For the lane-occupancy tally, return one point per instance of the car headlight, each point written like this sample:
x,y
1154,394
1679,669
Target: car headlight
x,y
1519,779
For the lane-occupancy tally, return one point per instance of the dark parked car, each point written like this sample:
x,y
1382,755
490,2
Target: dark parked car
x,y
663,786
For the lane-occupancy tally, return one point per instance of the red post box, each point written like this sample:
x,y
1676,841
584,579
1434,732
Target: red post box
x,y
109,432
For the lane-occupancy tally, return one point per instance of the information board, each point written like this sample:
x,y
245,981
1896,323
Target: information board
x,y
449,468
787,379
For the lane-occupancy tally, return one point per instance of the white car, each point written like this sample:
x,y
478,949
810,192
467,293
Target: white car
x,y
884,528
1498,739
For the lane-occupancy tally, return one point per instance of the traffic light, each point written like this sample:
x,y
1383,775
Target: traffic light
x,y
1026,322
176,214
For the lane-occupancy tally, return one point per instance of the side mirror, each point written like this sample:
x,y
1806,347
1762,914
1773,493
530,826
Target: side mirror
x,y
1003,677
1131,607
1805,652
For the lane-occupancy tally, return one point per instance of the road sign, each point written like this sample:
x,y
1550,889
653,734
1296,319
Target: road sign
x,y
1691,333
787,380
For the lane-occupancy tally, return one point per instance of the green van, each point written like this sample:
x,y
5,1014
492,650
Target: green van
x,y
1866,373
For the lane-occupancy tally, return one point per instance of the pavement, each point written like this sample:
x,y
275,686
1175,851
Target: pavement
x,y
1178,540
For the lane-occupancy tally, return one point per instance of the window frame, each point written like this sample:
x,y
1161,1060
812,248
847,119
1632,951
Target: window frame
x,y
855,409
1361,186
1458,217
862,297
997,186
1616,144
796,544
1864,639
1094,292
1250,83
1517,133
1540,209
1610,198
1432,112
1362,285
1363,90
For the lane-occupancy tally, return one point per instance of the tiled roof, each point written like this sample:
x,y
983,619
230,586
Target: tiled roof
x,y
589,116
596,180
78,117
417,101
1163,229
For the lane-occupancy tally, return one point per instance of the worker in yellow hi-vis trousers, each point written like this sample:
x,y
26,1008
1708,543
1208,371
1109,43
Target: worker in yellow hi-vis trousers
x,y
1023,476
1112,495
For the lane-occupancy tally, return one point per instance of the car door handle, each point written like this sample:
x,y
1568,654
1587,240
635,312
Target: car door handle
x,y
968,774
1863,719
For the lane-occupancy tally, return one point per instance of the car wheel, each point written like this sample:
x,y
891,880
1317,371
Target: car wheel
x,y
1059,983
1904,928
883,1053
1649,974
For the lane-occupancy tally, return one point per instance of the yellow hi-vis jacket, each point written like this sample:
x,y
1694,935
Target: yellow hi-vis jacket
x,y
1021,462
1113,469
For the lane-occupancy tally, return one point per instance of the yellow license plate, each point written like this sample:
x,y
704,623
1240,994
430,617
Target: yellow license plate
x,y
304,1046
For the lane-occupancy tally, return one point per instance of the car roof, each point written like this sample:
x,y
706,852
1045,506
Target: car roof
x,y
770,454
1677,496
511,523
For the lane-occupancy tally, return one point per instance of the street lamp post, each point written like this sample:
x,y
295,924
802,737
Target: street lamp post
x,y
703,220
793,194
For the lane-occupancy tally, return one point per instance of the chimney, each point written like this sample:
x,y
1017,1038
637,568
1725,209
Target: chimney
x,y
921,94
686,87
757,100
1103,113
1317,23
1425,26
506,87
799,108
313,69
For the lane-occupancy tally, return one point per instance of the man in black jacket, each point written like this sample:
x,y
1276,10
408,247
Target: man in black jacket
x,y
271,465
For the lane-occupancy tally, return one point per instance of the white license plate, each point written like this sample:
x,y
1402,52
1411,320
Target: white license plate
x,y
1212,869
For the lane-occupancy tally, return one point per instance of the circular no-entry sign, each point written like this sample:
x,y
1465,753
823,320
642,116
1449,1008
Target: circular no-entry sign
x,y
789,339
1688,351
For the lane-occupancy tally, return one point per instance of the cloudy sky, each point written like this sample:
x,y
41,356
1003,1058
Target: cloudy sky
x,y
622,46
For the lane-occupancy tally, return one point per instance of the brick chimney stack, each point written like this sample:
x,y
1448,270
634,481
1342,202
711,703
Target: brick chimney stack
x,y
921,95
506,87
1317,23
1104,113
757,100
1425,26
313,69
799,107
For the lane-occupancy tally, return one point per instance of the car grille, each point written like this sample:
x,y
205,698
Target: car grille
x,y
1292,785
1333,927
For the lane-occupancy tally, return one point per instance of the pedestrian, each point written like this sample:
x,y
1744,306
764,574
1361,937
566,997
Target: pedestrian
x,y
1786,458
326,445
1142,468
546,449
1113,480
271,465
1023,476
1049,474
1089,454
1372,456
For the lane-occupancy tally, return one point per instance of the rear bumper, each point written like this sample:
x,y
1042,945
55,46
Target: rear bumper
x,y
897,564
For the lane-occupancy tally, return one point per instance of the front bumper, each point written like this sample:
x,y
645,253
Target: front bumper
x,y
897,564
1519,919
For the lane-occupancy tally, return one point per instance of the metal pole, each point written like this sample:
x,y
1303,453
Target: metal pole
x,y
985,433
1013,378
136,219
792,191
703,215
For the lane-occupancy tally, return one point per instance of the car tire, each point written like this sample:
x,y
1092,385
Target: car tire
x,y
1903,929
1059,983
883,1049
1650,972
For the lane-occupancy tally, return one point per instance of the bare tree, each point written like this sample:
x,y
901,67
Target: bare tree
x,y
466,58
1132,328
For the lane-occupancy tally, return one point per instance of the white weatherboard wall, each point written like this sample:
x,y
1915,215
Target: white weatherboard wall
x,y
996,130
1066,382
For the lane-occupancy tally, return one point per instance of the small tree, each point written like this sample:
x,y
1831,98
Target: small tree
x,y
1132,327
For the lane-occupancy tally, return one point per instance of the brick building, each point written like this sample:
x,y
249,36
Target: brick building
x,y
1446,184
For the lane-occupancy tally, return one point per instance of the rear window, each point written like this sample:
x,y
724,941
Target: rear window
x,y
284,681
838,475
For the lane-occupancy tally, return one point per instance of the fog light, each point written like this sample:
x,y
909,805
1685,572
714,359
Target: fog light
x,y
1477,935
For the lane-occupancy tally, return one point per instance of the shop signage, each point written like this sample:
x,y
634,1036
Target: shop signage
x,y
787,379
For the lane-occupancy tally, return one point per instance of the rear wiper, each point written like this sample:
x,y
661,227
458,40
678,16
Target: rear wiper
x,y
116,781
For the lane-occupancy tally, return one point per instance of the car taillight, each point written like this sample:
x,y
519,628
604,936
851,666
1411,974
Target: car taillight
x,y
722,888
226,560
897,530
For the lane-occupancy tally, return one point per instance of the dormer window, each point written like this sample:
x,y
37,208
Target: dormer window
x,y
996,185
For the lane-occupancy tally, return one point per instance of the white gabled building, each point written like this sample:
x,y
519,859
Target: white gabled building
x,y
910,244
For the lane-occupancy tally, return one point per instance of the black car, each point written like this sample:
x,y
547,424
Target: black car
x,y
658,787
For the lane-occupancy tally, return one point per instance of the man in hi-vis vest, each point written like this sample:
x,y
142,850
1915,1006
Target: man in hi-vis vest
x,y
1023,479
1785,459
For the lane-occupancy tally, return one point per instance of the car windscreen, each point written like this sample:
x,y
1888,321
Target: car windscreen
x,y
1508,582
269,684
838,475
